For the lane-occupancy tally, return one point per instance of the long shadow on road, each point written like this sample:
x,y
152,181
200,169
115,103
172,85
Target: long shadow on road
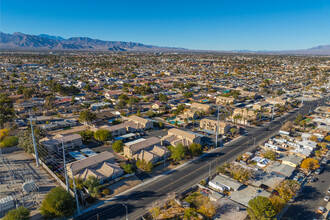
x,y
299,212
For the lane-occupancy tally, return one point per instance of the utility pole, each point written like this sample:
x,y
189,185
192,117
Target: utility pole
x,y
302,100
216,132
126,211
75,191
274,106
34,142
65,170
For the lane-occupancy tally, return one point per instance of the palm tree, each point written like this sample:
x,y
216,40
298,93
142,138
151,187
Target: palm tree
x,y
232,130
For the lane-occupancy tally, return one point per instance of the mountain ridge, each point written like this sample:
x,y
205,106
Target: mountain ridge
x,y
21,41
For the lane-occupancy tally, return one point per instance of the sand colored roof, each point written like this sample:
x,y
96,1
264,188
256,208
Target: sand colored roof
x,y
138,119
182,133
90,161
225,98
144,144
199,105
148,155
206,120
103,170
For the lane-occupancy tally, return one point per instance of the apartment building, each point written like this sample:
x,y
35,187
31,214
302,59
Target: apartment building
x,y
211,125
175,136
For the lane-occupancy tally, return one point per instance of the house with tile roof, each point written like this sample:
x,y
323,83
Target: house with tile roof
x,y
175,136
102,166
149,150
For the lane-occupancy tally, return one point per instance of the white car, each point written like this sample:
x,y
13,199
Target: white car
x,y
327,198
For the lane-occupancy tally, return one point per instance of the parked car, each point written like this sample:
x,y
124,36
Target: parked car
x,y
320,209
327,198
324,161
313,179
329,190
318,171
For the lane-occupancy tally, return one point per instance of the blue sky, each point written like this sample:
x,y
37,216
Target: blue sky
x,y
211,25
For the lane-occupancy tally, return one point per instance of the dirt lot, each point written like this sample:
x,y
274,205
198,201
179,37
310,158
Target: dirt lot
x,y
15,169
123,185
228,210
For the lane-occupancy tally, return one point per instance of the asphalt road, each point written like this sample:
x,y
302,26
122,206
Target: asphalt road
x,y
179,180
311,197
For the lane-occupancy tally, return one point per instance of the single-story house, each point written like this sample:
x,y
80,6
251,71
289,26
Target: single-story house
x,y
222,183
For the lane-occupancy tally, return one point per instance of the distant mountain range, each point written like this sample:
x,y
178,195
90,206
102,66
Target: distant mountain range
x,y
20,41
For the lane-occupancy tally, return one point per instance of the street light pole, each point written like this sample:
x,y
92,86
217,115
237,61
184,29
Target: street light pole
x,y
126,211
209,169
302,100
217,130
274,106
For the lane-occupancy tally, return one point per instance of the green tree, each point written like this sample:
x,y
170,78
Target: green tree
x,y
178,153
121,104
86,135
190,213
50,102
6,109
25,139
188,95
118,146
9,141
144,165
270,154
58,203
92,183
123,97
195,149
233,131
261,208
72,100
87,116
162,97
133,100
78,182
27,93
20,90
102,135
151,114
87,88
20,213
129,168
298,119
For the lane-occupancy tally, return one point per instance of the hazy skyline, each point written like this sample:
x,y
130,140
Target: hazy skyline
x,y
209,25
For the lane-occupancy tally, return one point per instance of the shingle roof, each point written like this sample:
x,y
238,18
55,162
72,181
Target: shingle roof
x,y
90,161
182,133
144,144
138,119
